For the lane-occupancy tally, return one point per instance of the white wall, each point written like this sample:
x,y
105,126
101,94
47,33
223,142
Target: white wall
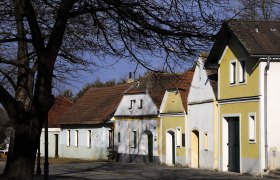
x,y
125,127
148,106
273,122
201,119
96,151
201,116
51,144
200,89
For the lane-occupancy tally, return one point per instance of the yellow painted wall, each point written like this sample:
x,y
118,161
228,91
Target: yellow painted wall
x,y
247,150
169,122
250,87
172,103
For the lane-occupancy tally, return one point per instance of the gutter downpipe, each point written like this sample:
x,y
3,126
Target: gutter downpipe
x,y
265,113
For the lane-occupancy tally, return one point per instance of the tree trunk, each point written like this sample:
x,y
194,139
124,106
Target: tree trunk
x,y
21,161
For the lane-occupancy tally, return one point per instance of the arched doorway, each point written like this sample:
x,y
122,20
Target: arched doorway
x,y
195,149
149,135
170,148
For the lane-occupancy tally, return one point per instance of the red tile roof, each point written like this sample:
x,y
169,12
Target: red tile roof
x,y
157,83
96,106
61,105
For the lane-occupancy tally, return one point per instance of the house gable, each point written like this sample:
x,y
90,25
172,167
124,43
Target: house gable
x,y
201,89
172,102
136,105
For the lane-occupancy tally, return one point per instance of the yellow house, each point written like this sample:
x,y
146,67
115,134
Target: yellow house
x,y
173,120
247,56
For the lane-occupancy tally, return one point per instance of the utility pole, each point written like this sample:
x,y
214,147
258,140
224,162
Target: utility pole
x,y
46,164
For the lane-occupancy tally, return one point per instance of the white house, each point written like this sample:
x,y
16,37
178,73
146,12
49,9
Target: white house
x,y
62,104
87,128
203,118
136,128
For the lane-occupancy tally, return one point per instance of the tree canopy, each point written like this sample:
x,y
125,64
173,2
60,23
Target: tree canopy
x,y
46,40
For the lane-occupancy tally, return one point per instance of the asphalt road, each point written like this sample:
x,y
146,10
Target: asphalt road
x,y
115,171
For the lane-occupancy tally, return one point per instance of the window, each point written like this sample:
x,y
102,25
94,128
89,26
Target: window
x,y
68,138
252,128
132,101
140,104
89,138
232,72
206,142
76,137
119,137
183,140
110,138
134,139
179,137
242,71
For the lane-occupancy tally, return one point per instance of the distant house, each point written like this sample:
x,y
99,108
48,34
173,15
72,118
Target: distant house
x,y
5,128
247,54
87,127
61,106
140,129
203,117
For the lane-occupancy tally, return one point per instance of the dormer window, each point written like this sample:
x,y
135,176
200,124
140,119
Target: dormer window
x,y
140,104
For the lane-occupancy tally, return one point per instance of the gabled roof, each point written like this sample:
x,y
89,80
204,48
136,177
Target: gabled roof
x,y
157,83
96,106
256,37
61,105
213,78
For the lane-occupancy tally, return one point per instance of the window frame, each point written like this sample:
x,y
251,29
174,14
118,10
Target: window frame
x,y
206,141
110,138
232,71
250,126
68,138
183,140
119,137
242,71
178,137
76,143
134,139
89,133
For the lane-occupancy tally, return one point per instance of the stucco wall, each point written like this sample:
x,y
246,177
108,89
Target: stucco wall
x,y
273,113
96,151
170,124
203,123
51,144
141,126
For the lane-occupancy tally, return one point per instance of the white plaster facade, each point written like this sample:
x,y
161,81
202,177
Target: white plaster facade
x,y
52,133
93,148
80,146
203,118
273,114
136,117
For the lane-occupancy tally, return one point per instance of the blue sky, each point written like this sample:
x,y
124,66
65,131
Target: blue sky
x,y
116,71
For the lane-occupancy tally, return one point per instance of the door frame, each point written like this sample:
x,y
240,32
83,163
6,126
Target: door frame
x,y
170,132
196,133
150,147
224,141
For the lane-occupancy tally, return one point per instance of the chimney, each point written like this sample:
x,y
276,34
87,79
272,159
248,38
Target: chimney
x,y
130,79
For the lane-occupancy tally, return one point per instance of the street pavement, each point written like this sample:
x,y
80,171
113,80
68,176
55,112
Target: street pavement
x,y
115,171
